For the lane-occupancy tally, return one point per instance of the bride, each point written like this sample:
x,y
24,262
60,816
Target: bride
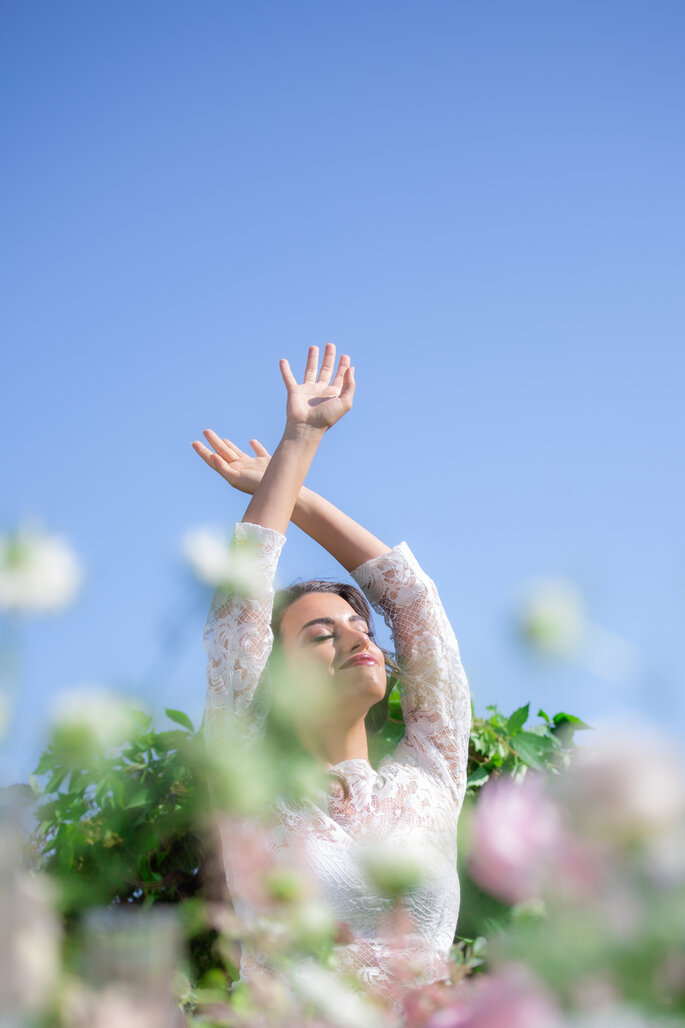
x,y
323,630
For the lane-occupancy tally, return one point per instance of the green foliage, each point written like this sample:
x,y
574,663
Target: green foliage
x,y
125,824
501,744
121,827
497,743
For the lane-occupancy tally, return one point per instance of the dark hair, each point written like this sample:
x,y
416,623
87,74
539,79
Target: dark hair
x,y
375,719
285,597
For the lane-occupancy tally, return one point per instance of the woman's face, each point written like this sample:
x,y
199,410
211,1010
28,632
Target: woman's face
x,y
323,632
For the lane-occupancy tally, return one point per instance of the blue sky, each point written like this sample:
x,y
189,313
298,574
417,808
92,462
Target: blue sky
x,y
481,202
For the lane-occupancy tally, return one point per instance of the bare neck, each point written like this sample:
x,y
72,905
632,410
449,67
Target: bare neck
x,y
334,743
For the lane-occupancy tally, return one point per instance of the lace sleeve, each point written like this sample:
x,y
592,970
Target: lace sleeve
x,y
435,693
238,636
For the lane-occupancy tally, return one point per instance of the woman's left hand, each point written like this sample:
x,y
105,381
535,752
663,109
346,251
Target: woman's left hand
x,y
240,469
319,401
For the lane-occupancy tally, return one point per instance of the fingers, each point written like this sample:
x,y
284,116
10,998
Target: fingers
x,y
347,391
340,374
287,374
215,462
327,365
312,364
260,450
224,447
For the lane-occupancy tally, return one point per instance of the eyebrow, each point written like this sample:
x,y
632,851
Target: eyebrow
x,y
329,621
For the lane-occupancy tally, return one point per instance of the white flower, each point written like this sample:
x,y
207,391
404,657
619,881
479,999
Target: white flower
x,y
30,967
337,1002
93,718
628,785
551,616
39,573
396,866
214,563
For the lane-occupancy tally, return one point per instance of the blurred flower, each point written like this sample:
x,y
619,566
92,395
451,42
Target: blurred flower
x,y
93,719
338,1003
551,616
395,867
112,1007
628,786
39,573
516,836
215,563
31,935
509,998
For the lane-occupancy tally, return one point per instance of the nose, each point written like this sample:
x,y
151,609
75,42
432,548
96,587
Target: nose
x,y
356,638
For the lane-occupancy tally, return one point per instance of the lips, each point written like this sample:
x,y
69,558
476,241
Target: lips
x,y
359,658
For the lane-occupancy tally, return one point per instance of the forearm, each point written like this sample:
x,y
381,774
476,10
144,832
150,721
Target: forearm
x,y
344,538
274,499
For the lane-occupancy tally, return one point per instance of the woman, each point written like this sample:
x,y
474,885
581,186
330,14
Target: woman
x,y
412,801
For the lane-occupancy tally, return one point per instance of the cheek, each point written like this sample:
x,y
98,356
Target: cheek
x,y
317,660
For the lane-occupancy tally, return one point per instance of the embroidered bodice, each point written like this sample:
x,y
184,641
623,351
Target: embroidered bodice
x,y
409,804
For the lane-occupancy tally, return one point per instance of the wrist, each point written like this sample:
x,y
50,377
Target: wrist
x,y
298,432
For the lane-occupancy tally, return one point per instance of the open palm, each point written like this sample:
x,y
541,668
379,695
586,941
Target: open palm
x,y
241,470
319,401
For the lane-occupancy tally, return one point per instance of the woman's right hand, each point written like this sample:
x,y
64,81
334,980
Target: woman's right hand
x,y
318,402
240,470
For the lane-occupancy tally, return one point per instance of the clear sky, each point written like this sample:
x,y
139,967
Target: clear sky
x,y
482,202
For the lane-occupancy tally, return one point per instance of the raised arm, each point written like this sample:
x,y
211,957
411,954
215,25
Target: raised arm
x,y
435,694
238,635
345,539
312,407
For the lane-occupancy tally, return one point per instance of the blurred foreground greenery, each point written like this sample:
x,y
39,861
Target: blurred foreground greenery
x,y
132,824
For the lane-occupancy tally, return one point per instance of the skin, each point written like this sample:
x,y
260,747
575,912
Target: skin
x,y
276,485
323,636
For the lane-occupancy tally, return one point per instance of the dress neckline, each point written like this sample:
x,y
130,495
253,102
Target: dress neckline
x,y
350,760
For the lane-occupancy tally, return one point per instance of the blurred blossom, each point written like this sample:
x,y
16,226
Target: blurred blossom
x,y
129,959
112,1007
396,866
551,616
39,573
30,935
628,786
92,719
338,1003
516,837
214,562
509,998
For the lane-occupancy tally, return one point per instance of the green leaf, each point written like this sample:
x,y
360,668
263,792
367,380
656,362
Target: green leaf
x,y
532,749
117,786
56,779
47,762
139,799
541,713
165,741
180,718
478,777
518,719
569,719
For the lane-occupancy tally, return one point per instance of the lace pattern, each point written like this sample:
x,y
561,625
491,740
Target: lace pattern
x,y
410,804
238,638
435,696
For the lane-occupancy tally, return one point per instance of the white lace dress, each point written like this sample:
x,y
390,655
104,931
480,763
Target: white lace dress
x,y
410,803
